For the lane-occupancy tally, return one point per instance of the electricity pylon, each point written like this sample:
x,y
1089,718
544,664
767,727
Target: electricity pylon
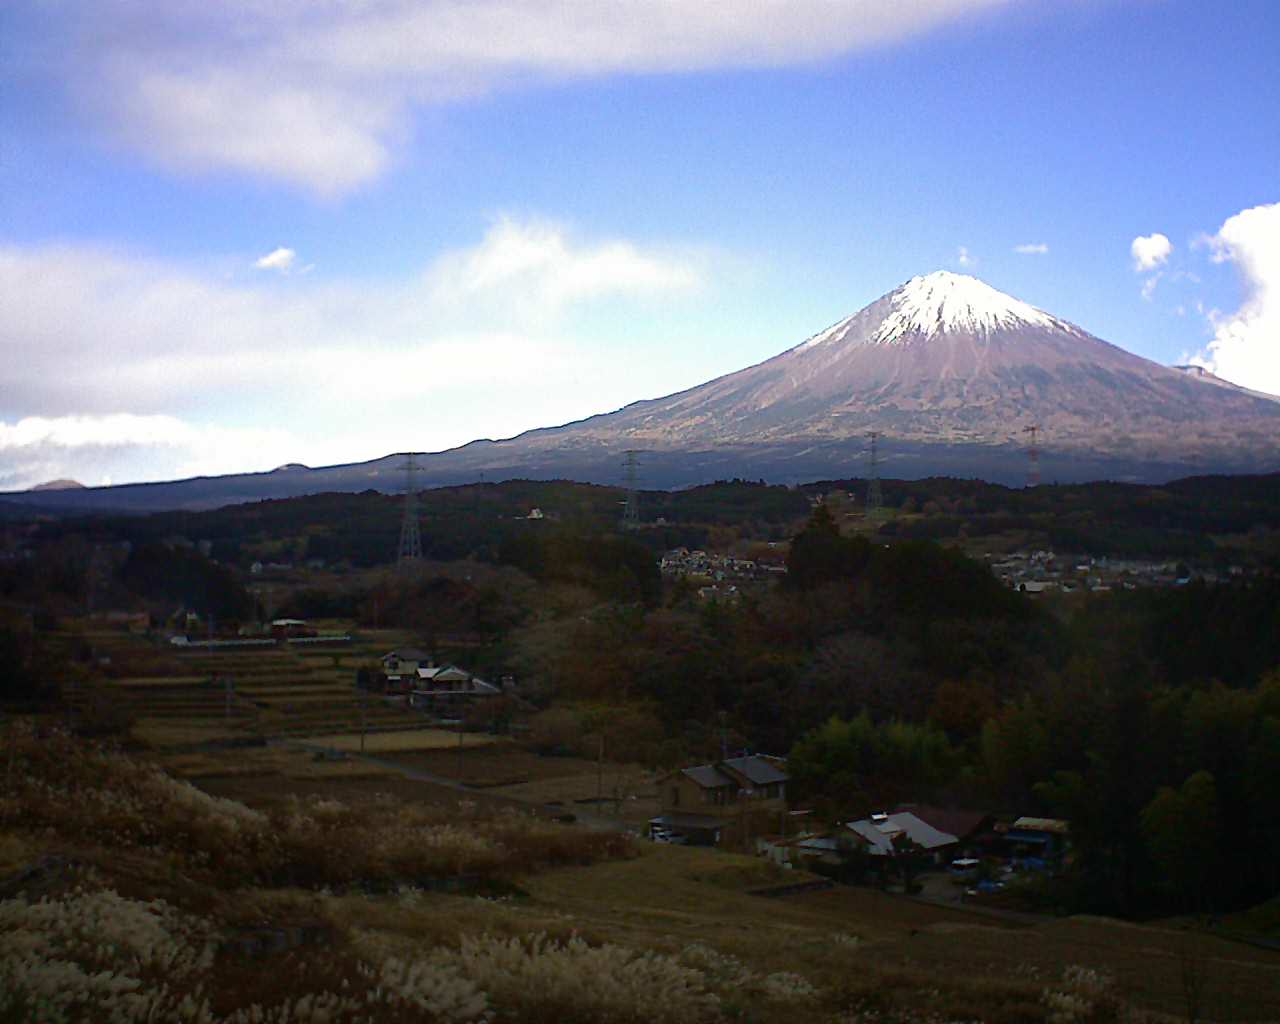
x,y
1033,455
410,537
630,474
874,498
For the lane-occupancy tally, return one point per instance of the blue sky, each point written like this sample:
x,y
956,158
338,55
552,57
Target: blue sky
x,y
497,215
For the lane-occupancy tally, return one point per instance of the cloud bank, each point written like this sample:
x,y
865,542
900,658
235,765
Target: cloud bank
x,y
1246,344
320,95
1032,249
117,365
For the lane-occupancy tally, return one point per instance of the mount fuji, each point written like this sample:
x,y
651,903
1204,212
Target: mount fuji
x,y
948,371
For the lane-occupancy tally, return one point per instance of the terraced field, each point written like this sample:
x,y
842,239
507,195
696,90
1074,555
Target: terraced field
x,y
183,697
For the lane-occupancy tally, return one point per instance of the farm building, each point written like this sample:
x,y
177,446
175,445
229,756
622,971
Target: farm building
x,y
701,802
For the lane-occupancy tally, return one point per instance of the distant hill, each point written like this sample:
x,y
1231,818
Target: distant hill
x,y
59,485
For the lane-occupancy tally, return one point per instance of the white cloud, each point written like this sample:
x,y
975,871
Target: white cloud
x,y
36,449
1032,249
321,95
538,265
963,258
1149,285
277,259
1246,344
114,364
1150,251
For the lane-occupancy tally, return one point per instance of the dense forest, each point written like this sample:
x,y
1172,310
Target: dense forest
x,y
1212,519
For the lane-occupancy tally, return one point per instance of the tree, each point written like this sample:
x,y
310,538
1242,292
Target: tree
x,y
18,679
1181,829
555,731
908,858
820,555
1015,751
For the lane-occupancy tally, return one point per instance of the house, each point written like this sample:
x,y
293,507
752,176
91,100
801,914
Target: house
x,y
282,629
702,802
396,665
448,686
878,834
1036,841
972,829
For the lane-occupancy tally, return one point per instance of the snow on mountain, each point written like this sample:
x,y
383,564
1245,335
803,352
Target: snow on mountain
x,y
942,301
934,304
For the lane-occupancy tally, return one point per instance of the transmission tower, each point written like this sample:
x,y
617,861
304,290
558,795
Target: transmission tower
x,y
630,474
410,537
874,498
1033,455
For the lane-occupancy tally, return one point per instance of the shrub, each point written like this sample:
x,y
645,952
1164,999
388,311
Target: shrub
x,y
540,979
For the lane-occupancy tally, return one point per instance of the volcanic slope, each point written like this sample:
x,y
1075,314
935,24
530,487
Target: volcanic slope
x,y
946,358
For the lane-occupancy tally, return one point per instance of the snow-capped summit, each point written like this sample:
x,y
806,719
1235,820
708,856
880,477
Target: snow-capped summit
x,y
934,304
943,301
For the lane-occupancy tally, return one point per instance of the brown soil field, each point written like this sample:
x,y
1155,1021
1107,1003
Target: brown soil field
x,y
404,740
500,764
353,788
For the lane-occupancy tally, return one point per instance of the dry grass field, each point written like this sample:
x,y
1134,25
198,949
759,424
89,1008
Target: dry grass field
x,y
673,896
575,925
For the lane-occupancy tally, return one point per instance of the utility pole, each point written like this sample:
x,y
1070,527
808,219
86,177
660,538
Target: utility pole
x,y
600,769
364,701
1033,456
410,537
874,499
